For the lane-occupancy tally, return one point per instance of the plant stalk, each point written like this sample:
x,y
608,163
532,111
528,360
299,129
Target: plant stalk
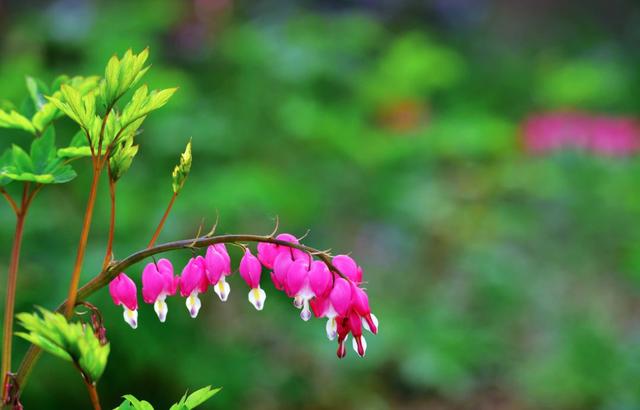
x,y
82,245
112,223
12,278
162,221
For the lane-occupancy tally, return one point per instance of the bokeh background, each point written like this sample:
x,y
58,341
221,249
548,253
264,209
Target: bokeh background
x,y
502,259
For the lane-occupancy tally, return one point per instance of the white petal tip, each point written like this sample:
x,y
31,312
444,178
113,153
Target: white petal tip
x,y
257,297
361,349
161,310
222,289
193,304
131,317
332,329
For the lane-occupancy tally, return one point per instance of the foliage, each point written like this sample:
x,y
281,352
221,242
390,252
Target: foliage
x,y
73,342
187,402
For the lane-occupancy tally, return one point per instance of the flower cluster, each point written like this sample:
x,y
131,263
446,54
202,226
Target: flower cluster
x,y
602,135
326,291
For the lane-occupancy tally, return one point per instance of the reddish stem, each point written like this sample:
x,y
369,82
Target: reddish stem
x,y
112,223
12,277
162,221
12,203
82,245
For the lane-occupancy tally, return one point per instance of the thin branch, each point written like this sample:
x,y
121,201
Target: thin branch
x,y
82,244
154,238
12,203
112,221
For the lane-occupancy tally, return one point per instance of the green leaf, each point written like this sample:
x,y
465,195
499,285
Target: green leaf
x,y
6,166
49,111
122,74
121,159
13,119
42,166
143,102
200,396
37,90
21,160
70,341
78,147
43,149
138,404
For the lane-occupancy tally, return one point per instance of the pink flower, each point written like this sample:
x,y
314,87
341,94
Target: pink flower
x,y
295,253
304,282
360,304
348,267
124,292
193,281
281,266
336,303
347,310
158,282
600,134
218,266
267,253
250,270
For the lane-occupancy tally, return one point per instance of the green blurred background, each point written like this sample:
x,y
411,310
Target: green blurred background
x,y
390,129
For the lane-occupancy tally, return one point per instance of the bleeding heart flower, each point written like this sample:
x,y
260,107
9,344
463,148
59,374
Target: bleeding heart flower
x,y
218,266
124,292
193,281
158,282
348,267
250,270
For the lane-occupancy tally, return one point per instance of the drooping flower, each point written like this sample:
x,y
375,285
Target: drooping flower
x,y
193,281
218,266
267,253
360,303
336,304
281,266
158,282
124,292
304,282
279,258
348,267
250,270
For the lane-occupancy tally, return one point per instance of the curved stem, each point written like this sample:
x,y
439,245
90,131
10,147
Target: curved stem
x,y
82,245
162,221
104,277
112,223
12,278
91,388
10,200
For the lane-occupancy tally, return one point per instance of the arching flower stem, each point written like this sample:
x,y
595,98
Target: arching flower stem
x,y
113,269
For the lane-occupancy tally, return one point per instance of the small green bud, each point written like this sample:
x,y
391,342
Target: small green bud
x,y
181,171
121,159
